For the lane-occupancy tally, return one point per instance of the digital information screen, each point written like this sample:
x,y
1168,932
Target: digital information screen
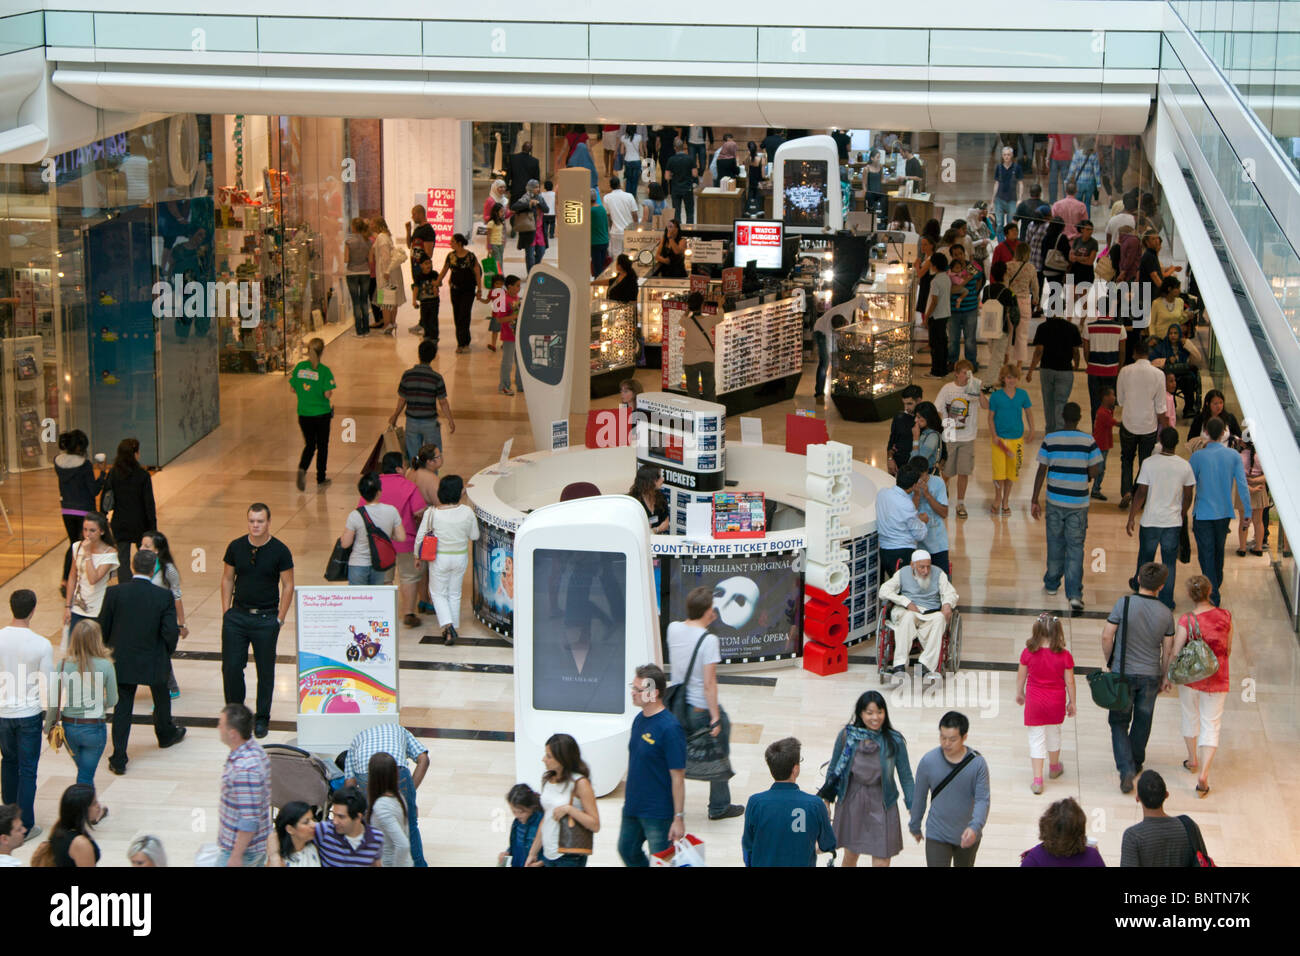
x,y
804,186
758,240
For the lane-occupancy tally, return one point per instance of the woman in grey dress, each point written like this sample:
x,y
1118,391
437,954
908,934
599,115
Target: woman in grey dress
x,y
868,754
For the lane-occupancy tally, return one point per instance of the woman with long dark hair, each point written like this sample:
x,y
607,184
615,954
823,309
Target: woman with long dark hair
x,y
166,575
623,286
79,485
647,489
93,557
671,254
526,808
295,832
566,792
466,280
1212,406
754,171
70,842
131,490
868,754
927,434
388,810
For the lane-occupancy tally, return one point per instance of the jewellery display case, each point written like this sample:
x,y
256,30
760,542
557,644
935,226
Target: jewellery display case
x,y
651,314
871,360
613,346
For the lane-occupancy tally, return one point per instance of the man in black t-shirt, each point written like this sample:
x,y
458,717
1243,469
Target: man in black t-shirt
x,y
419,230
842,140
1151,276
1056,347
256,591
771,142
899,449
681,183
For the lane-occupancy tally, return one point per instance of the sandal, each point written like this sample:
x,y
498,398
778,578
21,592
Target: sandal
x,y
505,391
1202,792
1241,552
961,511
1056,770
1191,767
491,348
1006,511
1037,785
1257,552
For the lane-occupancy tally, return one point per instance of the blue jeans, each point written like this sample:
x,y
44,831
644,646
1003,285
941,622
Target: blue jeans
x,y
532,255
20,749
1101,472
421,432
823,361
407,787
962,323
565,859
359,292
86,744
1056,386
360,575
636,831
1066,529
250,858
631,175
509,365
1004,211
1210,536
699,159
1167,539
1129,729
1058,169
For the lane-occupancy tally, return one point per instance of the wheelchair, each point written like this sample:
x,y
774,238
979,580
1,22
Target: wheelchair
x,y
949,651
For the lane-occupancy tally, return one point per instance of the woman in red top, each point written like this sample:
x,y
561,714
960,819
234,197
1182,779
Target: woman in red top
x,y
1202,701
1045,685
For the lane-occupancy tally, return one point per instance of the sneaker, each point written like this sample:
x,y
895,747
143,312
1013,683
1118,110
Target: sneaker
x,y
323,483
735,810
1037,785
1052,591
1098,496
416,330
174,693
1055,770
1126,783
411,620
424,607
302,479
1076,604
1124,502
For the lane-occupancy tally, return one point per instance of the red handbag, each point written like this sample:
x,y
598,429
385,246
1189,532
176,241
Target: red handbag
x,y
428,547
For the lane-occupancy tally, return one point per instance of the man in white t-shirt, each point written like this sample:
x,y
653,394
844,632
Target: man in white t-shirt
x,y
958,402
1164,492
703,711
27,661
622,209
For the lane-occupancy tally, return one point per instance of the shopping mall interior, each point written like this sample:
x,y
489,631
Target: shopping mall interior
x,y
229,145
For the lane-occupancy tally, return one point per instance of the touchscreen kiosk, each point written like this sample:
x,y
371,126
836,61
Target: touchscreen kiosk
x,y
806,185
585,618
546,343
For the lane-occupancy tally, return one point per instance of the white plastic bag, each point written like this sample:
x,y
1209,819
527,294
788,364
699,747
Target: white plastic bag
x,y
688,851
207,855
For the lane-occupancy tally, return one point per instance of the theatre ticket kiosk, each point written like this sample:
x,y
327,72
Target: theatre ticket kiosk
x,y
584,620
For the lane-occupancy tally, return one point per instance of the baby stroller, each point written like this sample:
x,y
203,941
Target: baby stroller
x,y
298,775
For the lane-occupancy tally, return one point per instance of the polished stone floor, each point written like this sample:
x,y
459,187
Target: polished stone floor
x,y
459,700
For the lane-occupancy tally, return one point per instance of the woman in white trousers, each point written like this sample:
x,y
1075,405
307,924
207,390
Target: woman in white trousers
x,y
454,526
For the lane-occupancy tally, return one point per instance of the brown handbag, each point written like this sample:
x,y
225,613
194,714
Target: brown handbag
x,y
574,837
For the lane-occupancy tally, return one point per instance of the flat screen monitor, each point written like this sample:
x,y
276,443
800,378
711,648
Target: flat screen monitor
x,y
804,185
758,241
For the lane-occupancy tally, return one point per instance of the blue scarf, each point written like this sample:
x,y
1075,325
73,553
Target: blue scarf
x,y
853,736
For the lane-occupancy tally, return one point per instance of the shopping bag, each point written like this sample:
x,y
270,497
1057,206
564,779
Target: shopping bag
x,y
386,297
688,851
392,440
207,855
337,568
374,458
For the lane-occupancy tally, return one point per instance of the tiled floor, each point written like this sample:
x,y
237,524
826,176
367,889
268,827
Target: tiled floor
x,y
460,699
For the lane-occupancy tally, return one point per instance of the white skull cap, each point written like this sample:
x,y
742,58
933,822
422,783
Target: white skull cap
x,y
920,554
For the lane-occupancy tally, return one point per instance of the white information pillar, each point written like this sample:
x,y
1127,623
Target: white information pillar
x,y
544,345
806,185
585,619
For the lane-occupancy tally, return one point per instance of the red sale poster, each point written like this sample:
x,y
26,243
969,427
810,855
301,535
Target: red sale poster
x,y
441,208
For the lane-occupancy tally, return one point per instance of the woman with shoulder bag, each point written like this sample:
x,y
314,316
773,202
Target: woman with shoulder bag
x,y
1202,701
570,817
84,715
356,534
388,259
442,543
466,280
93,557
868,754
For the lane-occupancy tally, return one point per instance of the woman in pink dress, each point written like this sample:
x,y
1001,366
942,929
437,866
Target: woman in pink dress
x,y
1202,701
1045,685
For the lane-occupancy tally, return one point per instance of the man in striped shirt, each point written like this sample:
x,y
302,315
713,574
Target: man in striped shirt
x,y
422,393
345,839
1103,350
1068,460
245,807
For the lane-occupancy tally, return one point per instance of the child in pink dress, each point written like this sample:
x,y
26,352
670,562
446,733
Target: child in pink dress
x,y
1045,685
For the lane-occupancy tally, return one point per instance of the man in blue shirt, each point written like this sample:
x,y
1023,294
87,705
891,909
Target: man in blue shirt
x,y
1216,467
784,826
1068,461
900,529
933,505
653,808
1008,186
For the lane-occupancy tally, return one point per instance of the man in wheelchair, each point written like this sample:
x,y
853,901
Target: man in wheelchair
x,y
924,599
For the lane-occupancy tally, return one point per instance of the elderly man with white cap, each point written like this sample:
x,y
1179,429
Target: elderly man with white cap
x,y
924,599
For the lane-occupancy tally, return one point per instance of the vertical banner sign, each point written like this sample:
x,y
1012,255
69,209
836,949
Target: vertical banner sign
x,y
440,205
573,237
732,281
347,662
673,376
543,341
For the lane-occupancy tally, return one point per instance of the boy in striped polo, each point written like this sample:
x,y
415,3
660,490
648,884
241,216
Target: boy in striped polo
x,y
1068,461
